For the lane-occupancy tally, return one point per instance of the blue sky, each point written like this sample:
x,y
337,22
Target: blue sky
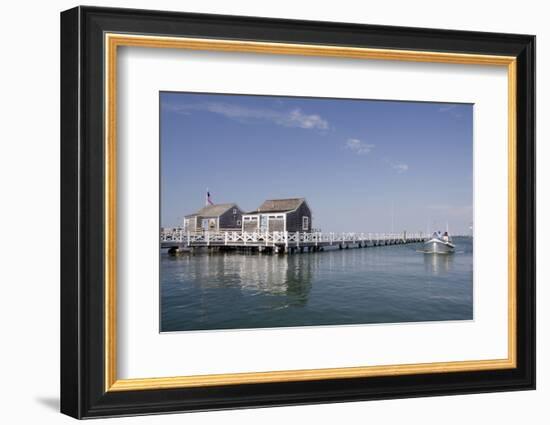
x,y
355,161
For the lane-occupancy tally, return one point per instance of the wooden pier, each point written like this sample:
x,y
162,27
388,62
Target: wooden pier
x,y
281,242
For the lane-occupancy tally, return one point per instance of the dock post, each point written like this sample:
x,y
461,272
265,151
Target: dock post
x,y
286,241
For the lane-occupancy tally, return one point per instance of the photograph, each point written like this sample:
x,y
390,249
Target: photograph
x,y
280,211
288,209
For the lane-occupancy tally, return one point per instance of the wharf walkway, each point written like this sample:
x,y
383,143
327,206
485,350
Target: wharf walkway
x,y
282,242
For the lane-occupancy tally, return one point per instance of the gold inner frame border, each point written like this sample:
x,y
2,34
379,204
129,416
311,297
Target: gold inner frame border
x,y
112,41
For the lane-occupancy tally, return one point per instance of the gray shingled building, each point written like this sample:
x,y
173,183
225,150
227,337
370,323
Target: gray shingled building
x,y
214,218
279,215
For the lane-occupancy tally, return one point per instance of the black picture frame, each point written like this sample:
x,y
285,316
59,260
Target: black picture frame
x,y
83,392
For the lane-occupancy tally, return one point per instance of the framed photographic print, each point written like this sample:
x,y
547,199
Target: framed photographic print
x,y
261,212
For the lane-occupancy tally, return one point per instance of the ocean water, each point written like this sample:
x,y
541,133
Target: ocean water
x,y
390,284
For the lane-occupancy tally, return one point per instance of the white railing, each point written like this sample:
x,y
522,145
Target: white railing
x,y
283,238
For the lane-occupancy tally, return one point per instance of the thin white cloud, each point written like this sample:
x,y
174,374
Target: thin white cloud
x,y
451,209
452,109
290,118
358,146
439,207
298,119
447,108
400,167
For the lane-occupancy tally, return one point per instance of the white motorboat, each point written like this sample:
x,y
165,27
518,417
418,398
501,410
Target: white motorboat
x,y
439,244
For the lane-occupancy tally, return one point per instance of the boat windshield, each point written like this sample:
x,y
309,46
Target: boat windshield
x,y
445,237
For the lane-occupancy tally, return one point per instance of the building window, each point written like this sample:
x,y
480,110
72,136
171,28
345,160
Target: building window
x,y
238,222
305,223
234,211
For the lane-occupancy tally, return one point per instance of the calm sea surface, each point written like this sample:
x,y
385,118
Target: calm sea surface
x,y
369,285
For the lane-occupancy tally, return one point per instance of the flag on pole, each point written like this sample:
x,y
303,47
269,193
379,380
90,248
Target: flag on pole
x,y
208,200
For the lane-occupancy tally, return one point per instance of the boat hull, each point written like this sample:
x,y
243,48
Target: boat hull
x,y
436,246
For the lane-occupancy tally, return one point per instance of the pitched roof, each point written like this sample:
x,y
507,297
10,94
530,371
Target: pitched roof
x,y
280,205
213,210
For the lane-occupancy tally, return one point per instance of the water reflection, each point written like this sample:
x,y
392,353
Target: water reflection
x,y
373,285
438,264
279,275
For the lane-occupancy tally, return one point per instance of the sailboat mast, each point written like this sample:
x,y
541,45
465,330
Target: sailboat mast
x,y
392,216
